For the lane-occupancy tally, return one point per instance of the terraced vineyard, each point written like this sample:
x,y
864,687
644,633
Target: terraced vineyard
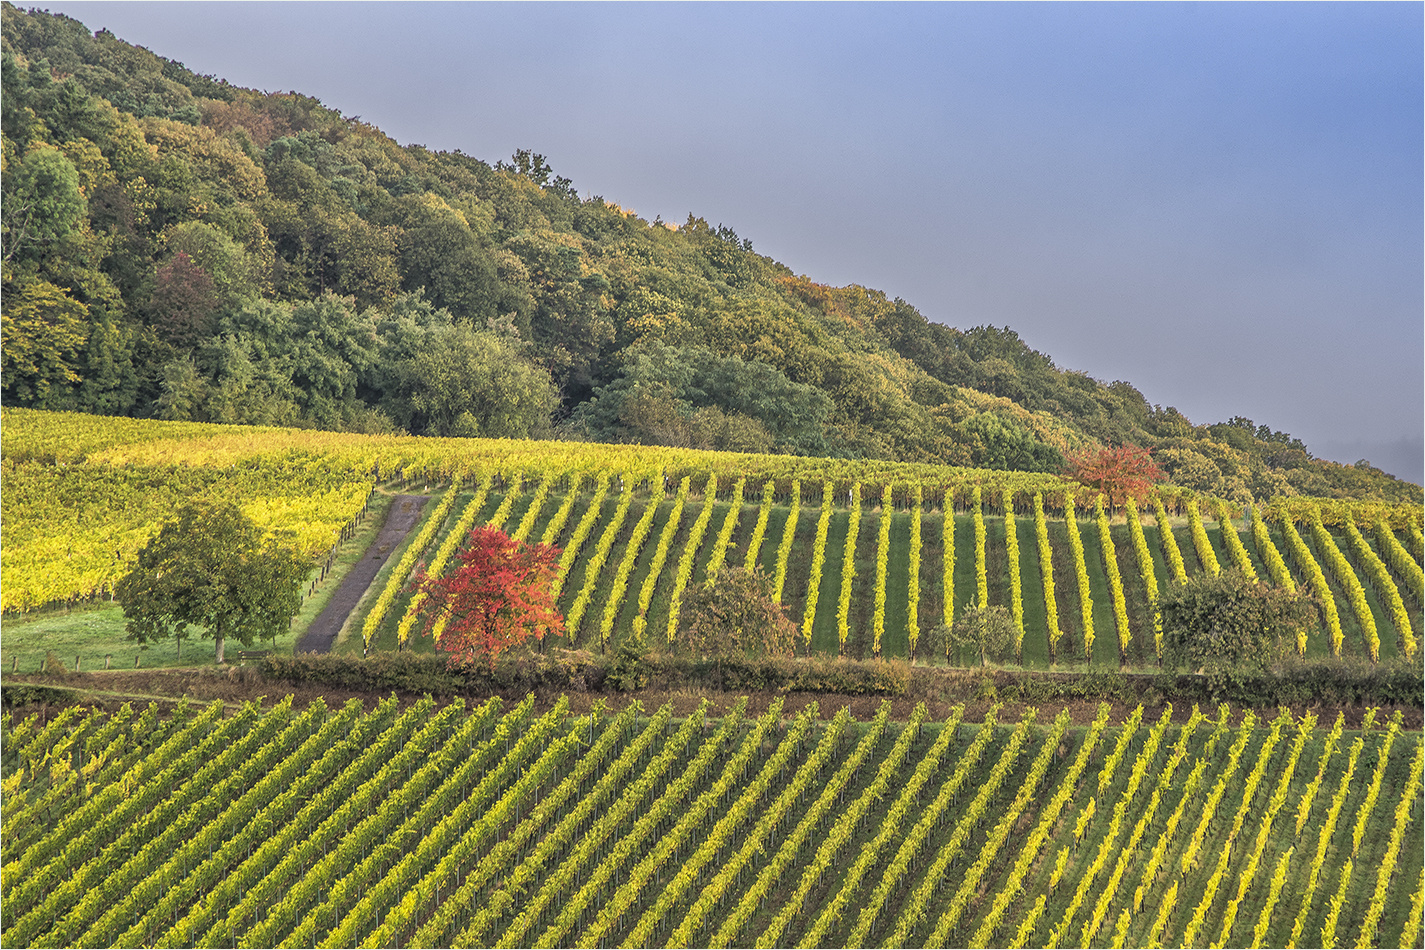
x,y
867,556
631,548
494,826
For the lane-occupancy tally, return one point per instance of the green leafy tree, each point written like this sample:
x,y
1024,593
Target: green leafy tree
x,y
1227,626
692,397
986,632
464,382
234,274
211,566
1002,444
42,201
43,332
442,254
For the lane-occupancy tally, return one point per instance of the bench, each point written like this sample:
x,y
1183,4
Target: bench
x,y
250,654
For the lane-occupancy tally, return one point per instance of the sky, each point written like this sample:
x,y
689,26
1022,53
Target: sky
x,y
1218,203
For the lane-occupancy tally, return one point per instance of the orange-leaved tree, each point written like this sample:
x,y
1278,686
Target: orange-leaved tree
x,y
1124,472
495,598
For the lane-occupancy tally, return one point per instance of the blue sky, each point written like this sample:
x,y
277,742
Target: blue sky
x,y
1219,203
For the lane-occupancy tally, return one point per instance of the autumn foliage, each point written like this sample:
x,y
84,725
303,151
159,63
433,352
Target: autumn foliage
x,y
497,596
1124,472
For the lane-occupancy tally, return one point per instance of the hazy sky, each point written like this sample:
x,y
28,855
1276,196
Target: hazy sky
x,y
1219,203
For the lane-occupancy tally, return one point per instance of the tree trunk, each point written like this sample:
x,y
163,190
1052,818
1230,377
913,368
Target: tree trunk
x,y
220,648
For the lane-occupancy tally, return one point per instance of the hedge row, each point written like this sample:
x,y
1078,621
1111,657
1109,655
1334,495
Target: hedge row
x,y
577,670
1330,681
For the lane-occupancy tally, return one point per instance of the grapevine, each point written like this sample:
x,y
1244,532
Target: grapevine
x,y
684,575
947,561
759,530
1384,585
883,552
1115,581
595,565
1076,545
784,548
1233,540
982,584
724,534
818,558
1317,579
913,583
1146,571
1046,572
1200,541
1348,580
1016,594
1170,543
660,557
630,558
848,573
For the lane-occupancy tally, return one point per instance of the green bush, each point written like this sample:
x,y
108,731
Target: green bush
x,y
1229,627
15,695
734,615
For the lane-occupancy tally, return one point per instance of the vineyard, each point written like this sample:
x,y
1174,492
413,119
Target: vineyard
x,y
865,556
502,827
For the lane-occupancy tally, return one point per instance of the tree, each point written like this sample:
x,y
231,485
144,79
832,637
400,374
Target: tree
x,y
43,332
737,613
1001,443
42,201
211,566
1120,473
1226,626
744,405
439,252
496,598
465,382
183,302
986,631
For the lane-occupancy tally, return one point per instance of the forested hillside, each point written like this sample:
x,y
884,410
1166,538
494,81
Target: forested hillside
x,y
181,248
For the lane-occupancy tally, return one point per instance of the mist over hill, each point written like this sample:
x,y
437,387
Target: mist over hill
x,y
181,248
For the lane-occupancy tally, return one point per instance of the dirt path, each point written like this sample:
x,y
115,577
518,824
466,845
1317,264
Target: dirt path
x,y
405,512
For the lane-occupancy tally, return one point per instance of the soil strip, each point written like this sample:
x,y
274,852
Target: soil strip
x,y
405,512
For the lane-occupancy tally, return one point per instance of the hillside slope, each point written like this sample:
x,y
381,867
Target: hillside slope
x,y
639,528
181,248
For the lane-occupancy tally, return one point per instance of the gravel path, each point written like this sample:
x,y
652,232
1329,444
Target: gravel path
x,y
405,512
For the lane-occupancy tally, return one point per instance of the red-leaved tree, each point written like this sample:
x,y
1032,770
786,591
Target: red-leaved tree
x,y
496,597
1124,472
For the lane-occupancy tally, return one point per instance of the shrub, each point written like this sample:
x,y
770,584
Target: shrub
x,y
1229,627
736,613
